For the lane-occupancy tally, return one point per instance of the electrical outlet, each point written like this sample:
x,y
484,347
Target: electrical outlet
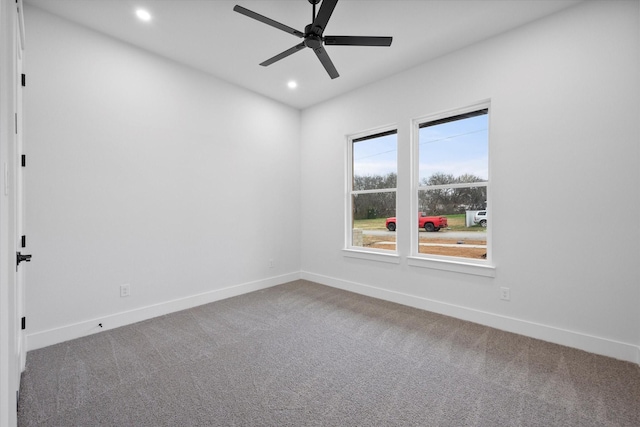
x,y
125,290
505,294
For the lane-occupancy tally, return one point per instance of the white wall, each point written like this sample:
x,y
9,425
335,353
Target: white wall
x,y
144,172
564,139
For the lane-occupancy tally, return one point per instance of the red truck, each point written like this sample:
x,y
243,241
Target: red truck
x,y
429,223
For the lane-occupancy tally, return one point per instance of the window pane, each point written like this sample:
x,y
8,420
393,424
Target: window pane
x,y
454,150
465,234
450,201
370,214
375,162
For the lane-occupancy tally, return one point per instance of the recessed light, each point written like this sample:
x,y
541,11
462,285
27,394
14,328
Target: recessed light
x,y
292,84
143,15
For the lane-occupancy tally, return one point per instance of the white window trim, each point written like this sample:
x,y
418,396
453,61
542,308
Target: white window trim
x,y
372,254
453,264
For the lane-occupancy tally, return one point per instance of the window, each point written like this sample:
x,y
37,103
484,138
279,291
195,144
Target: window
x,y
450,214
371,196
452,185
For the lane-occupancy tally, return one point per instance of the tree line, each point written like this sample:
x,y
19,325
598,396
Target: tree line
x,y
444,201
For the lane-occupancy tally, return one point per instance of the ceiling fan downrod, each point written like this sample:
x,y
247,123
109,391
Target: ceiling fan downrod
x,y
313,10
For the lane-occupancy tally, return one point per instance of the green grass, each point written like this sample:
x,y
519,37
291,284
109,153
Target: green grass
x,y
456,222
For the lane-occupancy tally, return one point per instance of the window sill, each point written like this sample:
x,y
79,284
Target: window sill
x,y
391,258
485,270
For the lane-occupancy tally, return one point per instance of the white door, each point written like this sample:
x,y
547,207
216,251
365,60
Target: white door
x,y
20,164
12,343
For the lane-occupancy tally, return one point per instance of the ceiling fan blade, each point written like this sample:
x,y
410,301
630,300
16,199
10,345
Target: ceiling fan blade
x,y
323,56
283,55
268,21
320,23
357,41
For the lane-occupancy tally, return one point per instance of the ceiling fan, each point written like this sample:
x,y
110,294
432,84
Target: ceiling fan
x,y
313,35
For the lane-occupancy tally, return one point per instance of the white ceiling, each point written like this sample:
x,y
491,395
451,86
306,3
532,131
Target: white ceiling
x,y
208,35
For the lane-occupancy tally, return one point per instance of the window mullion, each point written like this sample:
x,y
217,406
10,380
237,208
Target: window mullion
x,y
381,190
460,185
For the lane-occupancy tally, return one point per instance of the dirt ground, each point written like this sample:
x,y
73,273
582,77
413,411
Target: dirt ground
x,y
460,250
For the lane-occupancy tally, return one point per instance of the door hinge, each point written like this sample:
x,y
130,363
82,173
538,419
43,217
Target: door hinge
x,y
24,79
22,258
24,323
24,160
16,115
23,241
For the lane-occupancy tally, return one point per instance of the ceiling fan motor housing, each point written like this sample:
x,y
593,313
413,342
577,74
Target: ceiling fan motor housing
x,y
311,39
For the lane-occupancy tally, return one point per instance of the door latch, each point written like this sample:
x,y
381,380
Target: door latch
x,y
20,257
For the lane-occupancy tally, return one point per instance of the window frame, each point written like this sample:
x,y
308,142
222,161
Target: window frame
x,y
382,255
481,267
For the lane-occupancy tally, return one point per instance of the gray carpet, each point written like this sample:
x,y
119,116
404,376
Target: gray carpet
x,y
302,354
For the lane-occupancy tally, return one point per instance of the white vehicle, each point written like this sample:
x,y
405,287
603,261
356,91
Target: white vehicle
x,y
480,218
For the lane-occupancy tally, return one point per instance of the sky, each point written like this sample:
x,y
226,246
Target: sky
x,y
458,147
376,156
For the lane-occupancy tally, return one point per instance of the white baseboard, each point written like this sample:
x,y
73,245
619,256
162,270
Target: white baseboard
x,y
88,327
589,343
